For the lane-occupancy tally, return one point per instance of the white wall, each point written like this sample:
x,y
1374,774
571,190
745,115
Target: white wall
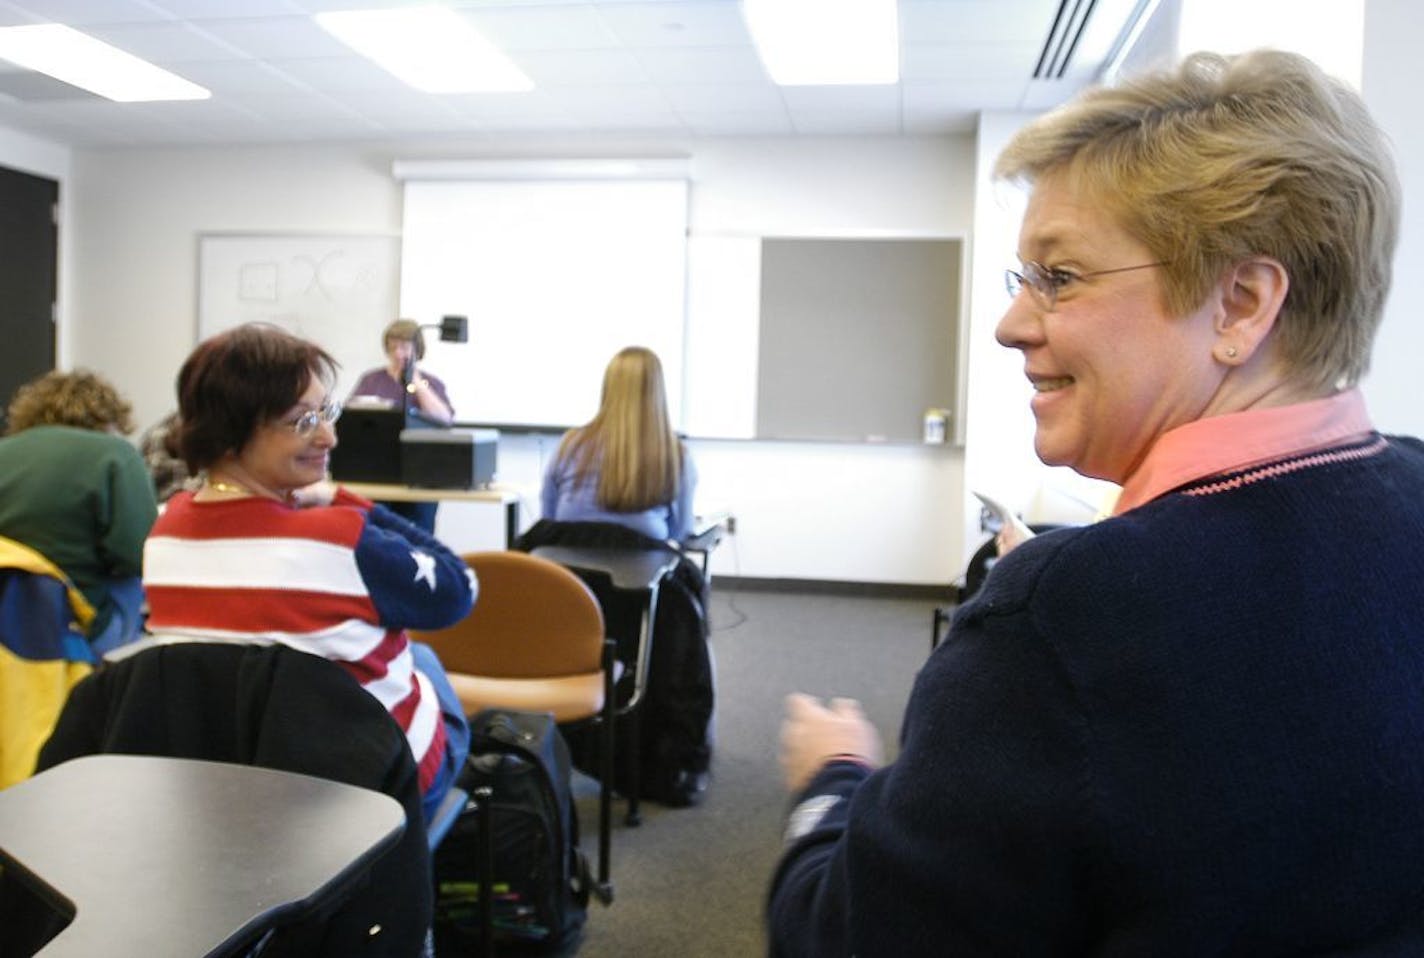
x,y
1392,29
804,510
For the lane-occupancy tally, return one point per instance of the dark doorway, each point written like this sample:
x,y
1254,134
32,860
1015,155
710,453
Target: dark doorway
x,y
29,245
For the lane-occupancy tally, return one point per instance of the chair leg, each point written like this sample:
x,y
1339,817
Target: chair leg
x,y
604,888
634,817
941,617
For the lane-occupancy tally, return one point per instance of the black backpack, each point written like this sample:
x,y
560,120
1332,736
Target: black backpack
x,y
541,879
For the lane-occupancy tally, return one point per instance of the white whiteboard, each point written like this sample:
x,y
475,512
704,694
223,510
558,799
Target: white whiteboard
x,y
555,277
338,291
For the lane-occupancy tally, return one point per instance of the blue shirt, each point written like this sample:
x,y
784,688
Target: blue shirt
x,y
566,500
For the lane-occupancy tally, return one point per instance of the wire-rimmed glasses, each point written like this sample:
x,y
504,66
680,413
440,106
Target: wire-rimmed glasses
x,y
1044,282
308,422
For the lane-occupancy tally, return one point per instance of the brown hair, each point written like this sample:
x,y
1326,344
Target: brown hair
x,y
238,380
1225,158
630,441
81,399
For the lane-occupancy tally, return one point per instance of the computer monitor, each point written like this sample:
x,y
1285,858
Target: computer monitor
x,y
368,447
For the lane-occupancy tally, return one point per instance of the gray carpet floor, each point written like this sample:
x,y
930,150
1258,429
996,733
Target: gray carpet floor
x,y
691,883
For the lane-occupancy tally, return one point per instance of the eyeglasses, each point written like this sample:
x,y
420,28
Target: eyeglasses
x,y
1044,282
308,422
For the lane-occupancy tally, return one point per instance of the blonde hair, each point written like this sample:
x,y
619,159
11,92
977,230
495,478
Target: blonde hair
x,y
630,441
81,399
1225,158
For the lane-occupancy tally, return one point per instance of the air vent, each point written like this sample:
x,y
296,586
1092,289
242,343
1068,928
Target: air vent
x,y
1063,38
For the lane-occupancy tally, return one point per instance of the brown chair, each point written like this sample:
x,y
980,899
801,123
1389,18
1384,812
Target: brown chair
x,y
535,642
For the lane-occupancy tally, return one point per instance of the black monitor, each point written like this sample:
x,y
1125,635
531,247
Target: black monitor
x,y
368,447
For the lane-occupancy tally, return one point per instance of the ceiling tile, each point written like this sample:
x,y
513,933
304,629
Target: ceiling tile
x,y
702,65
709,23
80,13
339,75
664,67
565,27
724,97
277,38
165,43
565,67
754,123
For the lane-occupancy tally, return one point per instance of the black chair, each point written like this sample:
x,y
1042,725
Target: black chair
x,y
654,602
978,569
278,708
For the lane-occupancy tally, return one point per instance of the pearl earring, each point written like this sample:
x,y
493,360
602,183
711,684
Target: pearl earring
x,y
1230,352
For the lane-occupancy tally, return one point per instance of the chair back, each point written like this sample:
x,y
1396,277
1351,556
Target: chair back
x,y
274,707
532,619
43,653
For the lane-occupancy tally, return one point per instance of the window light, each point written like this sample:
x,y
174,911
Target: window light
x,y
826,42
431,48
80,60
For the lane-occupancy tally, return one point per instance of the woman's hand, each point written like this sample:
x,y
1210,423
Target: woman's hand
x,y
319,493
428,400
812,735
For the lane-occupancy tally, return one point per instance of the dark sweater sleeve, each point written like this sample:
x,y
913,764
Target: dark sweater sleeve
x,y
972,841
127,510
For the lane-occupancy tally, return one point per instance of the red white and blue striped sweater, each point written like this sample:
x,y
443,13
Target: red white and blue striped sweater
x,y
343,581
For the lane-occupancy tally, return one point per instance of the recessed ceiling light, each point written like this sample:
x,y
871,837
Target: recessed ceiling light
x,y
80,60
431,48
826,42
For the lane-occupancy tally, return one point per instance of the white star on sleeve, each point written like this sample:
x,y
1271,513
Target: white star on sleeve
x,y
424,568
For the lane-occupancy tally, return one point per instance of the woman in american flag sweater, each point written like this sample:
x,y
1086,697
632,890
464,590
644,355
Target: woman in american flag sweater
x,y
269,550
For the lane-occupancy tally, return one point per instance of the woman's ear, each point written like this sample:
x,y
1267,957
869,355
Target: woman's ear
x,y
1252,293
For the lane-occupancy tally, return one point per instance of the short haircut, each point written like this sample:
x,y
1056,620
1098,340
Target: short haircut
x,y
82,399
238,380
405,331
1224,158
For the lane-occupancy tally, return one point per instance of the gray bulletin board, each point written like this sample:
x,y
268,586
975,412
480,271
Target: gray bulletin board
x,y
858,337
339,291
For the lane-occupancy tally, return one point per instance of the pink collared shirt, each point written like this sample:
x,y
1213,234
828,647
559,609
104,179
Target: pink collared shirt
x,y
1239,440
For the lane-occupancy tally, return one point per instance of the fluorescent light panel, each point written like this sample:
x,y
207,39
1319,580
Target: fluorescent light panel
x,y
431,48
826,42
80,60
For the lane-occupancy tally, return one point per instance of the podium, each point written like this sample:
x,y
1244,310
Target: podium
x,y
390,446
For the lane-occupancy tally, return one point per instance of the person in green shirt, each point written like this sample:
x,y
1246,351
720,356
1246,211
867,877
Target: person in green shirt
x,y
73,489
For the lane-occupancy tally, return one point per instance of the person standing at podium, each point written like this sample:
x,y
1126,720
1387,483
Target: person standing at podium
x,y
400,382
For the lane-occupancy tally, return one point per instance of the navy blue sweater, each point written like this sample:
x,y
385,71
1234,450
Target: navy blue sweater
x,y
1193,729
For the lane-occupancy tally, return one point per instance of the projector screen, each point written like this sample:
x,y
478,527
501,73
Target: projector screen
x,y
555,277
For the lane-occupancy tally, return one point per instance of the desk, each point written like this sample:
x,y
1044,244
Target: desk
x,y
392,492
630,570
163,856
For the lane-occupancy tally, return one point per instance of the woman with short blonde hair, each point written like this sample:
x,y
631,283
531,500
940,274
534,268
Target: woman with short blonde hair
x,y
1194,727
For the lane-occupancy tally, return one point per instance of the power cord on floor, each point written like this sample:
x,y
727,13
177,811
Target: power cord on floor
x,y
741,617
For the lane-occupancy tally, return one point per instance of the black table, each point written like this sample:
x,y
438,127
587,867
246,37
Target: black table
x,y
176,857
631,570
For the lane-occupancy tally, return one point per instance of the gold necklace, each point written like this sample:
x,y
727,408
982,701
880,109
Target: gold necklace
x,y
217,485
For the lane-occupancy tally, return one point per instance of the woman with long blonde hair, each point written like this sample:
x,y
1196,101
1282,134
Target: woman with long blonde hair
x,y
625,466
